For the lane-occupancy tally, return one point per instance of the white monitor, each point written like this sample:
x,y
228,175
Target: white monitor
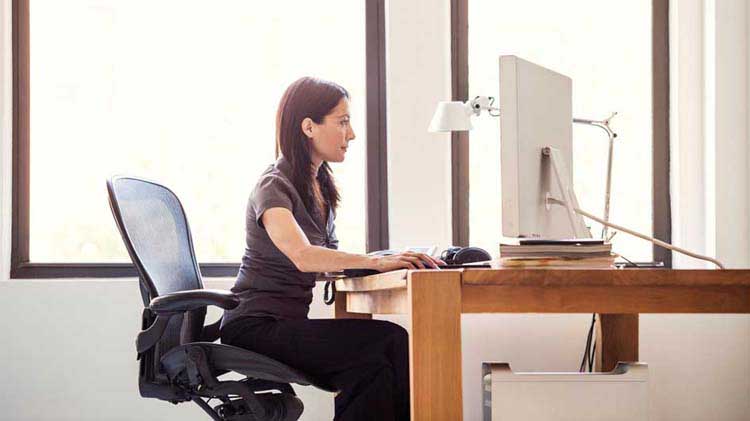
x,y
536,111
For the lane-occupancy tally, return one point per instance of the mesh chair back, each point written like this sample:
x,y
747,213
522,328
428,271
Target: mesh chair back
x,y
155,231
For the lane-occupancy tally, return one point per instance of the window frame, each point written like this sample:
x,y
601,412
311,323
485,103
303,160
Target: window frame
x,y
661,201
375,166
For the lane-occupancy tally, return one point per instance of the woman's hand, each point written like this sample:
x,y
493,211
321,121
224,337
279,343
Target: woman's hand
x,y
406,260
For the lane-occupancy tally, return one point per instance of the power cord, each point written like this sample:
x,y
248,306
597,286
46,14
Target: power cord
x,y
329,292
587,362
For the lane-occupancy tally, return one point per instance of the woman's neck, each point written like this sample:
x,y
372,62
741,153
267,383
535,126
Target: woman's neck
x,y
316,163
315,168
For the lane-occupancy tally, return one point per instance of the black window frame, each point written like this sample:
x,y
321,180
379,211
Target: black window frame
x,y
375,166
662,212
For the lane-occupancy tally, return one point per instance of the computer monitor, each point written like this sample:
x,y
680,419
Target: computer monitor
x,y
536,112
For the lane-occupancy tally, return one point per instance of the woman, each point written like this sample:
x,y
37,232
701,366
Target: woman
x,y
290,237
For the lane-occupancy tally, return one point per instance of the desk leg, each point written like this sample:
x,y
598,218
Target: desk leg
x,y
616,340
435,345
339,310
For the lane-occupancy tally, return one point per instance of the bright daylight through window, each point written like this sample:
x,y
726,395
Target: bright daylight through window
x,y
182,93
605,47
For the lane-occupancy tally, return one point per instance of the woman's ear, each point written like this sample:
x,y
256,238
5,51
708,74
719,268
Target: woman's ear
x,y
308,127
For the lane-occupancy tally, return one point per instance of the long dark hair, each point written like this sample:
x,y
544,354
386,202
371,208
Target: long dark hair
x,y
313,98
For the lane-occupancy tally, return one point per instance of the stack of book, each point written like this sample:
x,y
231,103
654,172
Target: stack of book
x,y
576,253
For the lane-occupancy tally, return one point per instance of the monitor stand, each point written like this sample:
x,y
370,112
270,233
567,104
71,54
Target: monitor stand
x,y
569,199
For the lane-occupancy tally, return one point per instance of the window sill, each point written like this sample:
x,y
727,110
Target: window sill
x,y
104,270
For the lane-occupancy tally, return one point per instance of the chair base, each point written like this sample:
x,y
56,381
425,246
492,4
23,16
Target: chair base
x,y
192,371
282,407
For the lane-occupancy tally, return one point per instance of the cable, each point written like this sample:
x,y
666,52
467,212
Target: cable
x,y
639,235
588,360
329,287
653,240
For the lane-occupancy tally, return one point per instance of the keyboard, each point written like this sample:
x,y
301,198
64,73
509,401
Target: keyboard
x,y
358,273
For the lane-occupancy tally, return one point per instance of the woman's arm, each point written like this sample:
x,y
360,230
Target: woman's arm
x,y
288,237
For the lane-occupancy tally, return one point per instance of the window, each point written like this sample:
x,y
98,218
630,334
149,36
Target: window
x,y
180,93
606,48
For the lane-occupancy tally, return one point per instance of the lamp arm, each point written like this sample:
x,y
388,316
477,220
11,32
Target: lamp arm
x,y
602,124
611,135
480,103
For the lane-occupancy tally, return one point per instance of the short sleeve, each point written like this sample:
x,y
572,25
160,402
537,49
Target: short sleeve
x,y
271,192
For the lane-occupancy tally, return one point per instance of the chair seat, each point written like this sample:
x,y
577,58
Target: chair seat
x,y
231,358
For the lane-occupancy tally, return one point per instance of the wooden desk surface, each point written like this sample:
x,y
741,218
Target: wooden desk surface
x,y
607,277
513,290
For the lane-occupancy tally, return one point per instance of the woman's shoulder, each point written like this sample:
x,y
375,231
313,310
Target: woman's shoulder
x,y
273,175
273,181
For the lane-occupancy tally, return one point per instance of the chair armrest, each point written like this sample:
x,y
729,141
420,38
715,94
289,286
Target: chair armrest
x,y
182,301
168,305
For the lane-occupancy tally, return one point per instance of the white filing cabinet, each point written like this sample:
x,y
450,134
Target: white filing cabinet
x,y
620,395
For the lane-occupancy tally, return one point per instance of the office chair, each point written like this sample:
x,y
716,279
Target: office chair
x,y
178,360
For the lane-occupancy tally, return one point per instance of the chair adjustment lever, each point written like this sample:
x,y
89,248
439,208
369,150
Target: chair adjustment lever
x,y
149,337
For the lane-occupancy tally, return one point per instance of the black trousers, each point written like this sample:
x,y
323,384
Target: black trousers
x,y
367,360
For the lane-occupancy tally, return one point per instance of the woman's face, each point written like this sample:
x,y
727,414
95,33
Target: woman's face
x,y
330,139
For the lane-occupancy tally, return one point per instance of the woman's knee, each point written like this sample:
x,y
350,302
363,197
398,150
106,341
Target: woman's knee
x,y
393,331
400,335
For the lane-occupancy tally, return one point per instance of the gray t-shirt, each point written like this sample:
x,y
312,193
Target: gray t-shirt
x,y
268,283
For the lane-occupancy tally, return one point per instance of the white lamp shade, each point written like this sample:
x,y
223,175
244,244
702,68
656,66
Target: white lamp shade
x,y
451,116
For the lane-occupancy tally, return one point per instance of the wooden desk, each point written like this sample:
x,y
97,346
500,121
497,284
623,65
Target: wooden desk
x,y
434,301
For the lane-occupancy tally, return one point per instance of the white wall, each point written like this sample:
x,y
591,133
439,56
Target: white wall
x,y
709,110
419,168
709,140
686,122
66,339
731,213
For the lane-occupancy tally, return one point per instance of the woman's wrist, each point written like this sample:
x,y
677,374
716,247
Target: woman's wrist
x,y
370,262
